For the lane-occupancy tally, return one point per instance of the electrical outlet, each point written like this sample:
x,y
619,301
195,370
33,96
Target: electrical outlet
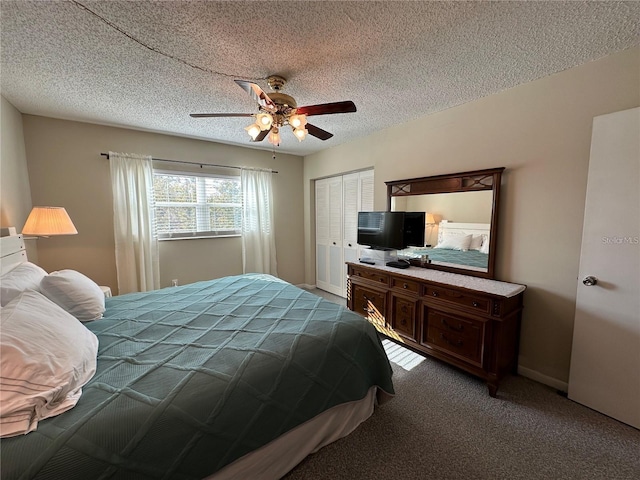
x,y
174,282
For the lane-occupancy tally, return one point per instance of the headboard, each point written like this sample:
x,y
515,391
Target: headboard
x,y
12,251
458,228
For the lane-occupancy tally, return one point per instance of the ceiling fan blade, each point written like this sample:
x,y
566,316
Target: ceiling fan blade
x,y
257,94
261,135
327,108
318,132
206,115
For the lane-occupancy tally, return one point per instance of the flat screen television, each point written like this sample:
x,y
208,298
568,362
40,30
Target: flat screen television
x,y
381,230
391,230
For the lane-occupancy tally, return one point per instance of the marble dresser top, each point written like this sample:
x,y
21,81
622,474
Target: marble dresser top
x,y
494,287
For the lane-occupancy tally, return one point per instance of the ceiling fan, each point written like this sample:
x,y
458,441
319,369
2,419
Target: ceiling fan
x,y
279,109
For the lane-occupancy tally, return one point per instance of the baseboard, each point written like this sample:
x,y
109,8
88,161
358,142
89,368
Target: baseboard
x,y
306,286
544,379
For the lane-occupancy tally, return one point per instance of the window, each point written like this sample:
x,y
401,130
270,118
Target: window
x,y
190,205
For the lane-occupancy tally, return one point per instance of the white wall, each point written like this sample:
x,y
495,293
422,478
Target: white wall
x,y
15,193
66,169
541,133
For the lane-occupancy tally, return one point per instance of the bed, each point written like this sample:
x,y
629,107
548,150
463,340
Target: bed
x,y
238,377
451,250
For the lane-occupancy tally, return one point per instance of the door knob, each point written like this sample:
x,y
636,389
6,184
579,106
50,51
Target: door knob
x,y
590,280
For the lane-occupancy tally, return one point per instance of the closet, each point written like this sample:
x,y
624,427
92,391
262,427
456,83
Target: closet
x,y
338,201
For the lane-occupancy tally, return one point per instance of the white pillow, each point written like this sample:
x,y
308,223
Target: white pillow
x,y
455,242
24,277
485,246
46,356
75,293
476,242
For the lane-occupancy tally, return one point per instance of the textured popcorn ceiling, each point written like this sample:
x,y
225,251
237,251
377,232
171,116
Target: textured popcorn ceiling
x,y
396,60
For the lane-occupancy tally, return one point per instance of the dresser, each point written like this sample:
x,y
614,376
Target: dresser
x,y
469,322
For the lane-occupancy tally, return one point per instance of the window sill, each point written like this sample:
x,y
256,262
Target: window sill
x,y
198,238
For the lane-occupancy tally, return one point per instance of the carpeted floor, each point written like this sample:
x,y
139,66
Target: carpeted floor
x,y
443,424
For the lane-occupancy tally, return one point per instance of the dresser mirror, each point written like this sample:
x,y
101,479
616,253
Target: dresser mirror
x,y
461,219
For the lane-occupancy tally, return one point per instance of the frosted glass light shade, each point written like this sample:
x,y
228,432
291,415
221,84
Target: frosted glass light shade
x,y
264,121
274,137
253,130
298,121
300,133
49,221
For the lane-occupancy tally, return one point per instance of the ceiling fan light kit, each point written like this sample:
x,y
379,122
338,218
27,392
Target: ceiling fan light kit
x,y
279,109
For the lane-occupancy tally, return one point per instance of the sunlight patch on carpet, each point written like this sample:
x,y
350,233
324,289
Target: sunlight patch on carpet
x,y
403,357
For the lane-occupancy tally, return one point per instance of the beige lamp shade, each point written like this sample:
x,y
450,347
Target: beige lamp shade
x,y
430,220
49,221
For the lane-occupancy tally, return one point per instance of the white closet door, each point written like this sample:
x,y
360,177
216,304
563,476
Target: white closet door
x,y
338,201
351,203
335,236
322,234
366,197
358,197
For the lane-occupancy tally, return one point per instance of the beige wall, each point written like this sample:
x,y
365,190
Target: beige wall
x,y
541,133
66,169
461,207
15,193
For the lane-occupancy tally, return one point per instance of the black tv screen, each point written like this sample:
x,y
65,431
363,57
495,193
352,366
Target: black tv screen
x,y
414,223
381,230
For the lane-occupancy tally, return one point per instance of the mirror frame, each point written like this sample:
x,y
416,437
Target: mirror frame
x,y
473,181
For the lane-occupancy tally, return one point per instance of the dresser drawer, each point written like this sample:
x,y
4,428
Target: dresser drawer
x,y
372,275
454,335
370,303
405,285
403,316
457,297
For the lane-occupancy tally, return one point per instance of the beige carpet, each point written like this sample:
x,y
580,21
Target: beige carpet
x,y
442,424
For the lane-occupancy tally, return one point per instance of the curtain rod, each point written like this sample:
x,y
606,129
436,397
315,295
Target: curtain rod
x,y
196,163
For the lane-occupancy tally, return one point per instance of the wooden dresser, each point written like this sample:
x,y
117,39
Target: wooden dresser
x,y
472,323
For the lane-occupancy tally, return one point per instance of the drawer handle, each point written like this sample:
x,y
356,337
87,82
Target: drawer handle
x,y
455,344
403,322
334,243
358,274
403,309
475,304
405,286
459,328
381,279
435,294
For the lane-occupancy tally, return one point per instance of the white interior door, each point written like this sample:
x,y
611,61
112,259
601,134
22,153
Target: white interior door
x,y
605,359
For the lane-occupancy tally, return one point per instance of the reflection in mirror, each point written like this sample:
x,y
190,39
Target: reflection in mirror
x,y
459,207
461,212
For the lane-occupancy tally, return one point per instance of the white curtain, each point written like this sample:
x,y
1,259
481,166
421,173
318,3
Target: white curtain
x,y
258,236
137,259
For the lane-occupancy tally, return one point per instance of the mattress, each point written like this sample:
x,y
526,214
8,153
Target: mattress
x,y
190,379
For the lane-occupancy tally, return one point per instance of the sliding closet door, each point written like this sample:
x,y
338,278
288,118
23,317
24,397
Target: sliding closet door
x,y
358,197
329,258
338,201
322,234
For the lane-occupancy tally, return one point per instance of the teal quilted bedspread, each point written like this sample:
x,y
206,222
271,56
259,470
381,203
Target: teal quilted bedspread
x,y
192,378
